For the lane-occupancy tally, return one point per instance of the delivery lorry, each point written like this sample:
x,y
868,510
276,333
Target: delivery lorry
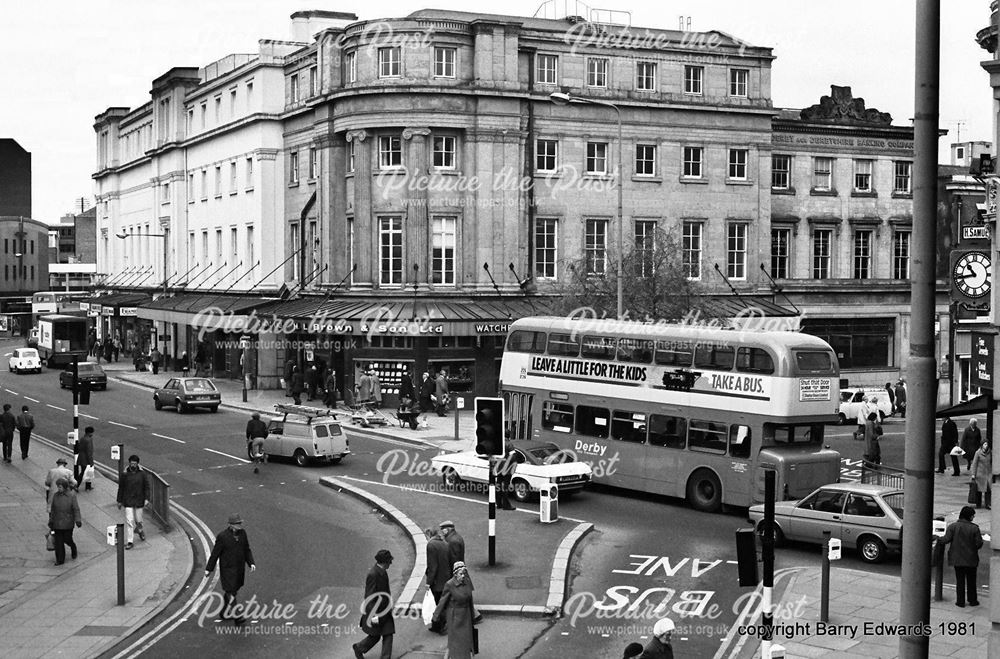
x,y
62,337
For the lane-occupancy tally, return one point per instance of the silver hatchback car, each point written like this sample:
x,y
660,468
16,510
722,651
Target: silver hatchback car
x,y
864,516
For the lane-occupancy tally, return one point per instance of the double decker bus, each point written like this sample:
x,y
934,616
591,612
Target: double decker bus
x,y
44,302
684,411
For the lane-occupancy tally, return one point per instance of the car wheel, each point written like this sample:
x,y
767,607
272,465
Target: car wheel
x,y
104,387
336,461
842,417
300,458
157,404
704,492
214,408
779,535
450,478
182,407
871,549
520,489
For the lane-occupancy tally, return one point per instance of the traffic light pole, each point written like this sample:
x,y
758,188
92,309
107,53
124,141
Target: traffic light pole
x,y
493,512
76,403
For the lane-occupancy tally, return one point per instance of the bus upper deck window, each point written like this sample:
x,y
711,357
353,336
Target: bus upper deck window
x,y
564,344
673,353
599,347
714,356
754,360
809,361
639,351
526,341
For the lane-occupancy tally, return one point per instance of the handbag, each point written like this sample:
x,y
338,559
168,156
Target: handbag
x,y
427,607
88,474
973,493
475,641
50,541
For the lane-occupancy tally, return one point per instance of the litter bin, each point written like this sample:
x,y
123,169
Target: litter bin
x,y
548,498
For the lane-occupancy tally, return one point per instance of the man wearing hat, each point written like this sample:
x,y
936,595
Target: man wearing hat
x,y
456,544
256,432
232,552
133,493
25,424
57,472
659,647
439,569
376,611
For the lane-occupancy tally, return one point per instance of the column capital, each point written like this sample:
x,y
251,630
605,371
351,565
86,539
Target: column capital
x,y
410,133
356,135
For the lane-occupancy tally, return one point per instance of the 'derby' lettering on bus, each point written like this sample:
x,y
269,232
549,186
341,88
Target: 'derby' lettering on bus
x,y
588,369
742,383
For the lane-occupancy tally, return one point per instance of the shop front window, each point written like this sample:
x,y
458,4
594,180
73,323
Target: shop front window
x,y
459,373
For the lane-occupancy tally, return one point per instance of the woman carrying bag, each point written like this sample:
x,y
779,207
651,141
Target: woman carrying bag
x,y
982,465
456,608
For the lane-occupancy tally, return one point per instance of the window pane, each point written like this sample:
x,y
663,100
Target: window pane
x,y
545,248
526,341
635,350
754,360
592,421
673,353
707,436
564,344
667,431
599,347
557,417
628,426
739,441
713,356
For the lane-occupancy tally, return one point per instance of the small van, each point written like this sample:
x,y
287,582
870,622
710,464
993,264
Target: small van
x,y
306,433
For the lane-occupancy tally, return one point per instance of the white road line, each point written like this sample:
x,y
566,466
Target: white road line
x,y
228,456
89,417
32,399
115,423
10,391
55,407
179,441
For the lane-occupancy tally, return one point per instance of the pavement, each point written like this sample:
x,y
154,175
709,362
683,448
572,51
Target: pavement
x,y
534,562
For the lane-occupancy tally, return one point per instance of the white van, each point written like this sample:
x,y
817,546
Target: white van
x,y
306,433
854,398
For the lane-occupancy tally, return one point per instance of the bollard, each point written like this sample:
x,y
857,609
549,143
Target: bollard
x,y
120,547
824,601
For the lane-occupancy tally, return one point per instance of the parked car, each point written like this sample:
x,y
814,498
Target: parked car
x,y
89,372
851,401
184,394
537,465
306,433
24,360
862,515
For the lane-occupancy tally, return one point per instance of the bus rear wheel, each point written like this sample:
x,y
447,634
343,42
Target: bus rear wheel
x,y
704,492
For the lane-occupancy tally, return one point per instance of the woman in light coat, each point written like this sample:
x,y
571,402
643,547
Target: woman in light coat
x,y
982,466
455,606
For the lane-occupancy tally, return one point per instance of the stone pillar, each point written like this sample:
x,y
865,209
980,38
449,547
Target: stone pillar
x,y
365,229
416,220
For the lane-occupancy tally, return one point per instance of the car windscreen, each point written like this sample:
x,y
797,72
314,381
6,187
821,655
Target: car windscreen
x,y
89,368
200,385
28,354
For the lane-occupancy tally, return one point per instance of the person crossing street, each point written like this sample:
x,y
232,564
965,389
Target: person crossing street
x,y
133,494
256,432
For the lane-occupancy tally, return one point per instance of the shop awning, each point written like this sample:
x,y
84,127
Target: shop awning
x,y
114,304
977,405
423,316
738,306
199,309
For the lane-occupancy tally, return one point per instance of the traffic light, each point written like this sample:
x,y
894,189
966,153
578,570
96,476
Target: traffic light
x,y
490,426
746,557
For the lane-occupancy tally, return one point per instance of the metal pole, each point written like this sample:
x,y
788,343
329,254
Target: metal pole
x,y
767,558
456,420
165,277
120,551
76,404
824,589
914,606
493,513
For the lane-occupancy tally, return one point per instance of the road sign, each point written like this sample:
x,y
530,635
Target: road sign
x,y
116,452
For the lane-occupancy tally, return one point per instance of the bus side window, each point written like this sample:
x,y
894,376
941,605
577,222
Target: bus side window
x,y
639,351
714,356
707,436
673,353
739,441
667,431
564,344
592,421
628,426
557,417
526,341
754,360
599,347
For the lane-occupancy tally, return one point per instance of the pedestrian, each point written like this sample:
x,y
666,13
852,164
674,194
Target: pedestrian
x,y
289,370
154,359
873,451
25,424
109,350
311,383
438,570
364,388
232,552
426,392
982,468
256,432
900,399
91,341
456,544
133,493
966,539
456,612
864,410
64,512
298,386
7,425
441,394
406,391
972,439
376,388
330,386
117,347
892,397
949,439
632,651
376,611
98,350
659,646
57,472
84,457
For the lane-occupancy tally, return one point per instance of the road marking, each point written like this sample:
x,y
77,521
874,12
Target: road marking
x,y
115,423
91,417
55,407
228,456
10,391
194,494
179,441
32,399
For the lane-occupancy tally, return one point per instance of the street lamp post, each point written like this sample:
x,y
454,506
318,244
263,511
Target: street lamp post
x,y
564,99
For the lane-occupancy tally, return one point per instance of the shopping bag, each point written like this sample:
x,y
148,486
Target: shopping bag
x,y
50,541
428,606
88,474
973,493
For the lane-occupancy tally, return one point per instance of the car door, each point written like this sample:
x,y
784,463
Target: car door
x,y
274,442
863,514
820,511
170,392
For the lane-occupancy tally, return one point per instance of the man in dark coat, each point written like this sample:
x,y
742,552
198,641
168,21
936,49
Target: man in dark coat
x,y
289,369
456,543
438,570
133,493
966,539
949,439
376,612
426,391
25,424
84,456
659,646
330,389
256,434
441,394
232,552
900,399
154,359
312,381
64,512
7,425
298,385
972,439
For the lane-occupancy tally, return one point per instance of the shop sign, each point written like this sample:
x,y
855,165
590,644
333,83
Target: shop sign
x,y
96,309
982,360
85,306
127,311
330,327
402,327
492,328
107,311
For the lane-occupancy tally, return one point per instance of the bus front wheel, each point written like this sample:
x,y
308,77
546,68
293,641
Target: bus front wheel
x,y
704,492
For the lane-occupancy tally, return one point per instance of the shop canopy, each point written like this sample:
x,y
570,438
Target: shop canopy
x,y
197,309
977,405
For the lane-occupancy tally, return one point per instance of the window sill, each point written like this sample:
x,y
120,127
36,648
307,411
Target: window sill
x,y
233,193
190,202
647,179
204,198
218,196
902,195
783,191
863,194
693,94
293,184
738,181
249,190
819,192
547,173
598,176
311,181
691,179
446,171
389,171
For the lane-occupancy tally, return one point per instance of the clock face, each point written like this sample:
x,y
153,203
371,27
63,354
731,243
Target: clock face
x,y
972,274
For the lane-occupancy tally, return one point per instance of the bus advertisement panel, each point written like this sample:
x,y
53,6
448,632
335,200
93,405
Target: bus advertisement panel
x,y
683,411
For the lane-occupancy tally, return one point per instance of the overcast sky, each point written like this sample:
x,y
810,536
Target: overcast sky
x,y
64,61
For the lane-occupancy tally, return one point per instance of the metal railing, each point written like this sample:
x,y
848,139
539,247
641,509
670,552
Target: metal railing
x,y
882,475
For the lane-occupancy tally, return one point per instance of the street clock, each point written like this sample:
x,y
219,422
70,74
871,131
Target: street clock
x,y
970,274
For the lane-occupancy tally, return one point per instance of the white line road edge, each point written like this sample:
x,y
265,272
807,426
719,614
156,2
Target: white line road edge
x,y
179,441
243,460
56,407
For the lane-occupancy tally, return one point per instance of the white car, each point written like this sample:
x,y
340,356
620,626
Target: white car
x,y
851,401
536,465
24,360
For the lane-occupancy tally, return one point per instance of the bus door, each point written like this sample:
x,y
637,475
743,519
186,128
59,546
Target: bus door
x,y
737,486
626,467
517,410
665,452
